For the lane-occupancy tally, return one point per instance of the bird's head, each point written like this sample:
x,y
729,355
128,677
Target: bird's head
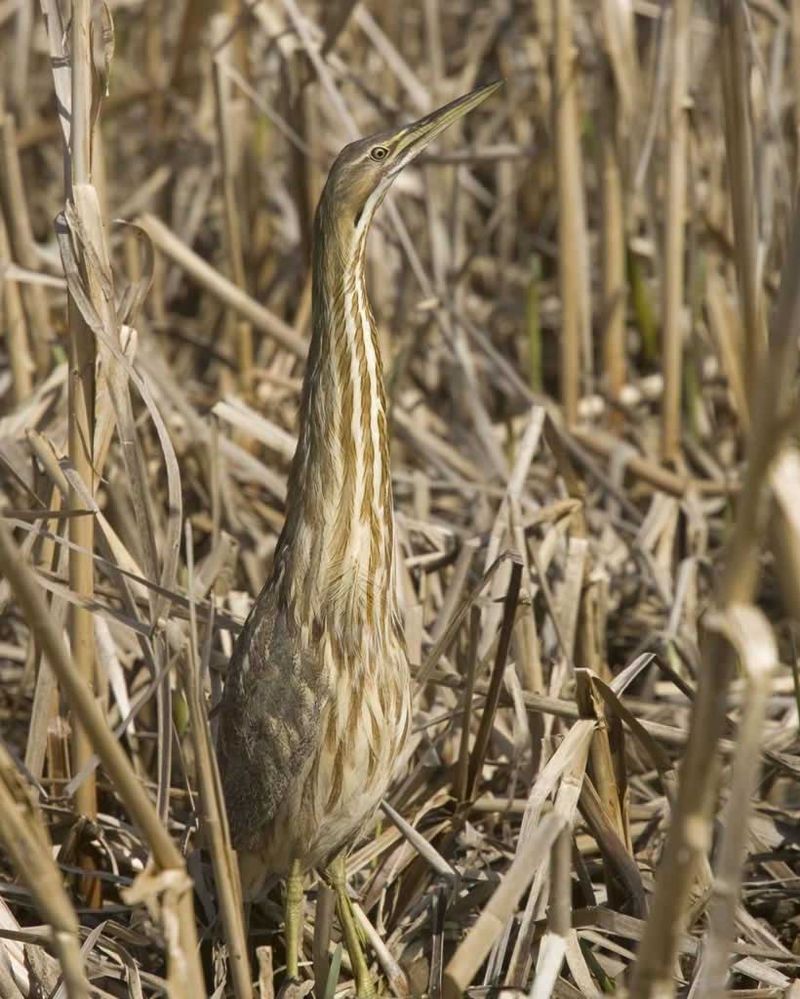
x,y
364,170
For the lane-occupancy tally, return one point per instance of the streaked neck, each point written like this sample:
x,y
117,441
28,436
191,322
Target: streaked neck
x,y
336,549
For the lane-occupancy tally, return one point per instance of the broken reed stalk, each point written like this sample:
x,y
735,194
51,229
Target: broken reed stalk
x,y
572,245
324,911
614,283
214,821
461,788
81,405
690,830
734,67
784,532
794,14
674,237
184,957
533,323
13,317
622,83
553,946
240,331
750,633
603,772
481,745
23,246
27,843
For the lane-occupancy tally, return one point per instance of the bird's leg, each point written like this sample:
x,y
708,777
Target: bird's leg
x,y
293,918
365,988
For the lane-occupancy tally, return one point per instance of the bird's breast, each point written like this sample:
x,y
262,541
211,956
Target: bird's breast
x,y
363,730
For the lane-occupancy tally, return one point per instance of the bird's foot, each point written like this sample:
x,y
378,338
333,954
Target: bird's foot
x,y
366,990
353,933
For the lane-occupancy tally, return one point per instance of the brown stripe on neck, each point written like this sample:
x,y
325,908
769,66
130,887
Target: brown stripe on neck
x,y
338,535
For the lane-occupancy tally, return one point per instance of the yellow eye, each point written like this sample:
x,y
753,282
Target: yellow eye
x,y
379,153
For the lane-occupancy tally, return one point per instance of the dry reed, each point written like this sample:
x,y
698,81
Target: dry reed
x,y
600,594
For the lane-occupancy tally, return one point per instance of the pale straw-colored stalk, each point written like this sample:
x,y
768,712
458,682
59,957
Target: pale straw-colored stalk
x,y
672,293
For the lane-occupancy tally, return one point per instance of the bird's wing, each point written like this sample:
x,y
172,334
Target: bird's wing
x,y
268,720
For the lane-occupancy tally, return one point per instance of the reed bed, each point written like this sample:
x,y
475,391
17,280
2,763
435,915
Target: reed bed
x,y
589,306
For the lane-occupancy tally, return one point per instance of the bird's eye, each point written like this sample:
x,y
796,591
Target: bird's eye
x,y
379,153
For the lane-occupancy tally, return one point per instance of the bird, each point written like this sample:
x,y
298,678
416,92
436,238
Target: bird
x,y
316,706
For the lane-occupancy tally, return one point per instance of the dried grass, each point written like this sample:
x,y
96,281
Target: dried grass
x,y
601,592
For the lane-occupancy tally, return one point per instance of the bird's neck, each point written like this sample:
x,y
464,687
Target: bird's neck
x,y
336,552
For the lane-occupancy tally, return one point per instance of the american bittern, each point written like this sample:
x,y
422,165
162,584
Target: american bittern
x,y
317,703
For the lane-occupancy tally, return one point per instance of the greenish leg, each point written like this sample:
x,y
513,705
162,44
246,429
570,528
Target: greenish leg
x,y
294,919
365,987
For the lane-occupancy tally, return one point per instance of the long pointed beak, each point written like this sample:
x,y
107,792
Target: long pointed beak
x,y
416,136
